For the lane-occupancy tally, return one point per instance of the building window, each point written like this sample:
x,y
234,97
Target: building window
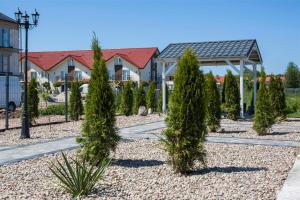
x,y
5,37
78,75
4,63
110,75
71,62
33,75
125,74
118,61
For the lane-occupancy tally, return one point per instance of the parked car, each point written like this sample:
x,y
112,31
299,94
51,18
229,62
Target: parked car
x,y
15,92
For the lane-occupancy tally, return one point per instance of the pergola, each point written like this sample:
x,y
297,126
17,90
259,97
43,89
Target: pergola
x,y
238,54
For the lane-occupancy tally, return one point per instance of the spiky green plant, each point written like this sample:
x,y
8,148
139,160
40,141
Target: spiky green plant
x,y
213,103
78,177
185,135
263,117
140,97
151,98
127,99
76,107
99,135
33,100
232,96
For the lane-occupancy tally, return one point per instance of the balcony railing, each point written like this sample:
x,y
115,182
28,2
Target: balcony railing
x,y
122,77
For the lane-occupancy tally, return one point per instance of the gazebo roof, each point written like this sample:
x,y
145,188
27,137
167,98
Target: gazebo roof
x,y
215,52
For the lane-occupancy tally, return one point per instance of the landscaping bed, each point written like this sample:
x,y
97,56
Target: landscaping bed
x,y
140,171
54,131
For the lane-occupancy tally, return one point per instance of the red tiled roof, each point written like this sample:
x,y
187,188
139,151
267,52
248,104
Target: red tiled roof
x,y
49,59
268,78
220,79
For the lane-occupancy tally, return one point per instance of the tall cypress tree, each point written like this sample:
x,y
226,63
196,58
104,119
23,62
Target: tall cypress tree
x,y
185,135
127,99
277,95
151,98
76,107
263,117
232,96
99,131
213,103
33,100
223,90
160,99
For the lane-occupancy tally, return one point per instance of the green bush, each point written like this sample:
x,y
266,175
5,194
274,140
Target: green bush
x,y
127,99
185,135
54,109
277,96
140,97
263,117
232,96
151,97
77,177
33,100
213,103
75,105
99,135
292,76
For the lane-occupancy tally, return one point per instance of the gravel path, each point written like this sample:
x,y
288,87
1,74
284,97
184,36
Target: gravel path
x,y
140,172
55,131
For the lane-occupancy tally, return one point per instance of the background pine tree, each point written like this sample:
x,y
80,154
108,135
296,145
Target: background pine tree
x,y
127,99
99,131
263,117
76,107
213,103
160,99
223,90
232,96
185,135
140,97
277,95
33,100
151,98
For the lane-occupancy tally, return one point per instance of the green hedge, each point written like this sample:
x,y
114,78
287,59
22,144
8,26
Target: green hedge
x,y
58,109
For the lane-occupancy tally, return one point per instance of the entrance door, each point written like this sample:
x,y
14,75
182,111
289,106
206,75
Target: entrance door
x,y
118,72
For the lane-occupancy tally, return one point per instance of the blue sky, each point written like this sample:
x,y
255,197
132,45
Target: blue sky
x,y
68,24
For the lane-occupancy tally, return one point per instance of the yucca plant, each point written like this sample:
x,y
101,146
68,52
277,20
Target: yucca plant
x,y
78,177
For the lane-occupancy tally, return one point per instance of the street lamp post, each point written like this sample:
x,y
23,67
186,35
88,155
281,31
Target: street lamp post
x,y
23,21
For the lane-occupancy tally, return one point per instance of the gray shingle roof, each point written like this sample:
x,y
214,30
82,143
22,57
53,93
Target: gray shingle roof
x,y
6,18
213,49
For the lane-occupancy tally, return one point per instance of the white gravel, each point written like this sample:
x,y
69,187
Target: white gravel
x,y
55,131
140,172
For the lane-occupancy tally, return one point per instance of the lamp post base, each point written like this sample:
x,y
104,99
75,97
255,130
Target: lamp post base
x,y
25,128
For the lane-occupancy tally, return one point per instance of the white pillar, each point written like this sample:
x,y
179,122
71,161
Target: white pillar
x,y
164,87
254,84
242,88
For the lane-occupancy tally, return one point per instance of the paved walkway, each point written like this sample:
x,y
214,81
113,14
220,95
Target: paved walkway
x,y
13,154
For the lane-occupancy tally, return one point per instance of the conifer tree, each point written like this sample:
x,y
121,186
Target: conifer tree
x,y
76,107
277,96
33,100
185,135
140,97
223,90
263,117
99,131
213,103
127,99
232,96
151,98
160,99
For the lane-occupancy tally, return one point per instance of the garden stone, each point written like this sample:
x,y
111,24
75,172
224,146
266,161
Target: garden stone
x,y
142,111
150,111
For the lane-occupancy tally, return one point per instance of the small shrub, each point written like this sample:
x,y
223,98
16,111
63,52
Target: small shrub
x,y
76,107
78,177
277,95
33,100
140,97
151,98
263,117
127,99
54,109
232,96
213,103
